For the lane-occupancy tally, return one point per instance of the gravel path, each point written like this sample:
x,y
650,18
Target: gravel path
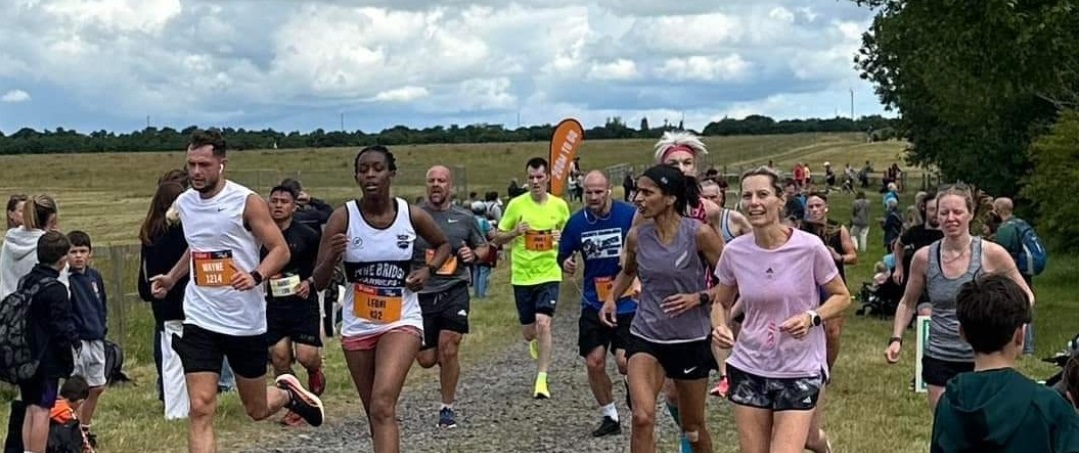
x,y
495,409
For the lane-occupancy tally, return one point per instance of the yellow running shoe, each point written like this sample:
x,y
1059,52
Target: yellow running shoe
x,y
533,349
541,391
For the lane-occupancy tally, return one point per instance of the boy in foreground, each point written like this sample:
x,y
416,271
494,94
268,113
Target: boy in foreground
x,y
995,408
90,309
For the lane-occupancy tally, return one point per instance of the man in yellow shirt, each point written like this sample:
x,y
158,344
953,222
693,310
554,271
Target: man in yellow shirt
x,y
533,222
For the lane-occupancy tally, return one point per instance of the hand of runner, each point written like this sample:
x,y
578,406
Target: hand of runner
x,y
569,266
338,244
836,256
522,227
897,275
556,235
415,280
242,281
160,285
466,254
798,325
723,337
303,289
892,352
608,314
679,303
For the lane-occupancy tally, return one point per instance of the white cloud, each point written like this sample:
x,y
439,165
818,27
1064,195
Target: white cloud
x,y
15,96
620,69
731,67
196,61
403,94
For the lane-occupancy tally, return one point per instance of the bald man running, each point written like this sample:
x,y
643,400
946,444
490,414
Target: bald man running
x,y
597,232
445,299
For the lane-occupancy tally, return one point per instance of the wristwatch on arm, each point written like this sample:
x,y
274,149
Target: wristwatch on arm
x,y
814,318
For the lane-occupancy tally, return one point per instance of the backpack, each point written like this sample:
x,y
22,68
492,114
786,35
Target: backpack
x,y
17,361
114,364
1032,255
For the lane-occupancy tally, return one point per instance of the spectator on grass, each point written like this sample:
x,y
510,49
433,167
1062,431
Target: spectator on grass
x,y
90,308
995,408
1009,235
14,210
892,224
163,244
629,184
19,253
52,335
65,433
859,221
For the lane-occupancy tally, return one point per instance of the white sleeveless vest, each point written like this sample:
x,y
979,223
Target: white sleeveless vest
x,y
376,264
220,245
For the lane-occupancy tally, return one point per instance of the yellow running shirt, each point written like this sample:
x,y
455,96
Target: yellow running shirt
x,y
535,254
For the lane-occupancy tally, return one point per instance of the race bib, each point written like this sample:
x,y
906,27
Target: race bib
x,y
378,305
539,241
285,286
604,285
448,268
213,269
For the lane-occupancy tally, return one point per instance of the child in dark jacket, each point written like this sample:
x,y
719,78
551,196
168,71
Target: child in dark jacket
x,y
90,307
994,409
52,337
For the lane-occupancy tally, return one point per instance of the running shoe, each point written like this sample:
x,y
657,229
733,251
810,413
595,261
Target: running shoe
x,y
533,349
316,381
607,427
541,391
446,418
721,388
303,403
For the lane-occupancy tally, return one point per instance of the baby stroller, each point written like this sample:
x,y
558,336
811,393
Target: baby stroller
x,y
1061,359
880,300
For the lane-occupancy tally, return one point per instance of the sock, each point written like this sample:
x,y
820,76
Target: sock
x,y
610,410
446,406
541,376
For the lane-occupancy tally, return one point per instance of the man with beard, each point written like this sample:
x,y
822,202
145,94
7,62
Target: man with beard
x,y
292,311
597,231
914,238
224,309
445,300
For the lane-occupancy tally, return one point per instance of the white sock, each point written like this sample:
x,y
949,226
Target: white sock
x,y
446,406
610,410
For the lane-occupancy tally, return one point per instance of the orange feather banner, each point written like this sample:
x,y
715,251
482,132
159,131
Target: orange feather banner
x,y
565,141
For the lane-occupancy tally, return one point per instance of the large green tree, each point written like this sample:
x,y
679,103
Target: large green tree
x,y
975,81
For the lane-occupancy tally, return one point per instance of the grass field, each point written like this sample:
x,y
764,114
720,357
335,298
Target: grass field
x,y
869,408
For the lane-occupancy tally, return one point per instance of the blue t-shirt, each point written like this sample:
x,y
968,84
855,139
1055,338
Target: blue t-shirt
x,y
599,240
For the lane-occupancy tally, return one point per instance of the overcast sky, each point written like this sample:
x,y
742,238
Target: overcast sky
x,y
300,65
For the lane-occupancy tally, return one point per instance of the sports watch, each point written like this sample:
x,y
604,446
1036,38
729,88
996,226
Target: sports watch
x,y
814,318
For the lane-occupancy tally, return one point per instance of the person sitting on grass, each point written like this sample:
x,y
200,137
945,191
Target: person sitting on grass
x,y
995,408
65,432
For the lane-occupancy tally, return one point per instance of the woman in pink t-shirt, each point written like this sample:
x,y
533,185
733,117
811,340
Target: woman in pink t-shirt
x,y
778,364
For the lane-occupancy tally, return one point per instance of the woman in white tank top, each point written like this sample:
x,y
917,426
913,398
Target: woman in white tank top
x,y
382,326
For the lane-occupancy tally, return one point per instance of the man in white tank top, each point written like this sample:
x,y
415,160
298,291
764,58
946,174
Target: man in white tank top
x,y
224,306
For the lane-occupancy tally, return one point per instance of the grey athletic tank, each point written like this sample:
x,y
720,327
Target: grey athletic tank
x,y
665,270
944,340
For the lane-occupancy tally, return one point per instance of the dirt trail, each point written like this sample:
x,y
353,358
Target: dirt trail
x,y
495,409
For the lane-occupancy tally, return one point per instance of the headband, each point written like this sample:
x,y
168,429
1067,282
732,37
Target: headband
x,y
674,148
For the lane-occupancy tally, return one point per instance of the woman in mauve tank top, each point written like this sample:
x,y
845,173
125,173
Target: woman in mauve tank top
x,y
941,269
670,331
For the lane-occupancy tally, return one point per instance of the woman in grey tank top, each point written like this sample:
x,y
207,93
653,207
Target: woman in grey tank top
x,y
941,269
669,336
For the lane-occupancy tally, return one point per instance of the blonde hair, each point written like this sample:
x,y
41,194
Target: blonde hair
x,y
671,139
37,210
880,267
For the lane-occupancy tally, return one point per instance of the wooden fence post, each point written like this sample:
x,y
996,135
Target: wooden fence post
x,y
116,260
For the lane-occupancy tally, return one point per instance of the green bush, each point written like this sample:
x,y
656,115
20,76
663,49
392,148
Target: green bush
x,y
1054,183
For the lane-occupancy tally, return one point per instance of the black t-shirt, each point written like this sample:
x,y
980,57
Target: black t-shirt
x,y
914,238
303,242
832,236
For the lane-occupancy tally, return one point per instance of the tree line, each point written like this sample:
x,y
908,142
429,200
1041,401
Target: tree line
x,y
987,91
61,140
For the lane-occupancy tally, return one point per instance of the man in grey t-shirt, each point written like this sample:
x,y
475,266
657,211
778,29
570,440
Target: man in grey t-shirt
x,y
445,298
